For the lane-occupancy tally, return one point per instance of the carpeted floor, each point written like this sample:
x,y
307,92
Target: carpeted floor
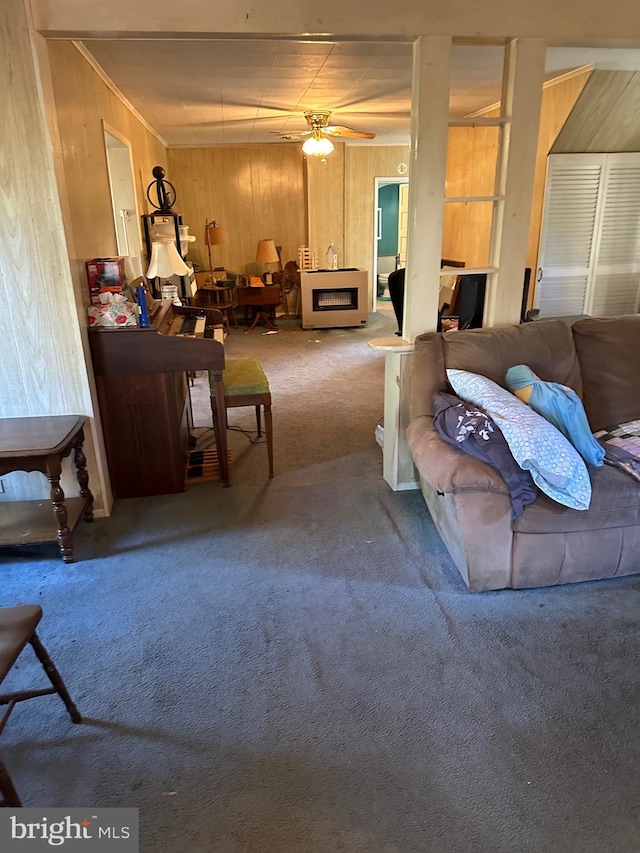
x,y
294,666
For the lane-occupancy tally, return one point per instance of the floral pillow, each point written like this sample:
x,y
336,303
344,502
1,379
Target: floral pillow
x,y
537,446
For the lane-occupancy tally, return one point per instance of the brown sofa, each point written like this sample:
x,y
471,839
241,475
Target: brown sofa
x,y
468,500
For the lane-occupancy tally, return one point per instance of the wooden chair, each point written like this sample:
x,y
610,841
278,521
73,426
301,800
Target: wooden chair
x,y
245,384
212,295
17,628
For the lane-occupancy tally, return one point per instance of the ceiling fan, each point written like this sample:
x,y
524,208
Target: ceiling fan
x,y
318,142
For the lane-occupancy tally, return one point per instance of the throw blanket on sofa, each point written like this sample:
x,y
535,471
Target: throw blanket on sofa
x,y
622,446
473,431
560,405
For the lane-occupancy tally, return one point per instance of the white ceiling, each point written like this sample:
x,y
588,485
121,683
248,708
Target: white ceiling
x,y
209,92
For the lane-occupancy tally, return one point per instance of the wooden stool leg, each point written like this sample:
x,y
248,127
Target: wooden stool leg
x,y
219,415
258,421
268,428
9,794
55,678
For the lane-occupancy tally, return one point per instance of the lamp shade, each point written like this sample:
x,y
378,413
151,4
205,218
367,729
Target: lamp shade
x,y
165,260
215,234
318,147
267,252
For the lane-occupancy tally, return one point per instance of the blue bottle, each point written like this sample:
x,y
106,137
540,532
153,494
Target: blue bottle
x,y
144,321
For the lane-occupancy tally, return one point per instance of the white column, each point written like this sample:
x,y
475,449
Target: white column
x,y
521,101
429,128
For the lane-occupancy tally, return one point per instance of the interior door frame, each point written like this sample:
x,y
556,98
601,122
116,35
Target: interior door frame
x,y
138,248
379,182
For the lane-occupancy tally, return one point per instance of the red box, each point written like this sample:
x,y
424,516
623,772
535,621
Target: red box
x,y
105,275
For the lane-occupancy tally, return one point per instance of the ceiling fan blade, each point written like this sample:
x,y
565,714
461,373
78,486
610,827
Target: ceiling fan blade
x,y
339,130
295,135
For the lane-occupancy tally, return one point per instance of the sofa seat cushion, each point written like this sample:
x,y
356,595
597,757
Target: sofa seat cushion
x,y
615,502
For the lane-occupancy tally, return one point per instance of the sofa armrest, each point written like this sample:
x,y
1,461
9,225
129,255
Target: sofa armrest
x,y
446,468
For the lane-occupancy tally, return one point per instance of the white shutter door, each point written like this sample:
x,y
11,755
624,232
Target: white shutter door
x,y
616,273
571,209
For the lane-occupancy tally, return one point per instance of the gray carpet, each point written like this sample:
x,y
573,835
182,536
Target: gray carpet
x,y
294,666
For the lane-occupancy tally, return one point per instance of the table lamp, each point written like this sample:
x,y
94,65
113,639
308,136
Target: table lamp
x,y
165,260
267,253
214,235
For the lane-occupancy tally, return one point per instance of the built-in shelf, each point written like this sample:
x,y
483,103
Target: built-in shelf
x,y
458,198
468,271
480,121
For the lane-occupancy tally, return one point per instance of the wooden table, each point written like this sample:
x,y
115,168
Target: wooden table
x,y
40,444
263,300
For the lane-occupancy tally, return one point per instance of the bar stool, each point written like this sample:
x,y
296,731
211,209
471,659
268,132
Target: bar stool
x,y
245,384
17,628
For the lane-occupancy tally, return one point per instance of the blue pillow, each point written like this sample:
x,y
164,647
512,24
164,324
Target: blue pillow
x,y
537,446
561,406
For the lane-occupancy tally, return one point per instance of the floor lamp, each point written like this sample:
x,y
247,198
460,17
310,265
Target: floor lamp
x,y
214,235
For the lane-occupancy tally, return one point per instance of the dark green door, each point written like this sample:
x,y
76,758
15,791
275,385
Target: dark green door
x,y
388,220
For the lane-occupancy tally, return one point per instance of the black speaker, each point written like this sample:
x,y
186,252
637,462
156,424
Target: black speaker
x,y
470,303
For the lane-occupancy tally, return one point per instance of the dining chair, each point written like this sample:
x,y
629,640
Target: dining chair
x,y
17,629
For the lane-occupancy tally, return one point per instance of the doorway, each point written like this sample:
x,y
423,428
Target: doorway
x,y
390,238
123,201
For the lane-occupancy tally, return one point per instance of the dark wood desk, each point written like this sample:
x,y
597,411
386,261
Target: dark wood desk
x,y
40,444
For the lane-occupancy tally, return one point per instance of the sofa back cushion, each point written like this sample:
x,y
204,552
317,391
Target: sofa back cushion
x,y
608,350
545,346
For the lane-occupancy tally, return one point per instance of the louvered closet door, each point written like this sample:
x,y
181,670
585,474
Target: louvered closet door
x,y
569,224
589,248
616,274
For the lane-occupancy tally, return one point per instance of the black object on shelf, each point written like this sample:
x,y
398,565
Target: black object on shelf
x,y
162,195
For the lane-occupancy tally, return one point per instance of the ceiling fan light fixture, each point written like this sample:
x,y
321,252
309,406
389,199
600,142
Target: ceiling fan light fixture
x,y
318,146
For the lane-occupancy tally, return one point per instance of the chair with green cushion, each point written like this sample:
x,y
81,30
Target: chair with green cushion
x,y
245,384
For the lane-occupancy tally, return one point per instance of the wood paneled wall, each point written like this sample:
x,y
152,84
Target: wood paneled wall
x,y
41,352
326,207
363,164
471,169
606,116
83,101
43,371
254,191
557,102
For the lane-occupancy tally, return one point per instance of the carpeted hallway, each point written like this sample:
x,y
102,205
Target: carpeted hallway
x,y
294,666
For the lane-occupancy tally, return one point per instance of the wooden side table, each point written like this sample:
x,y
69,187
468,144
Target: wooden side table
x,y
263,300
40,444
